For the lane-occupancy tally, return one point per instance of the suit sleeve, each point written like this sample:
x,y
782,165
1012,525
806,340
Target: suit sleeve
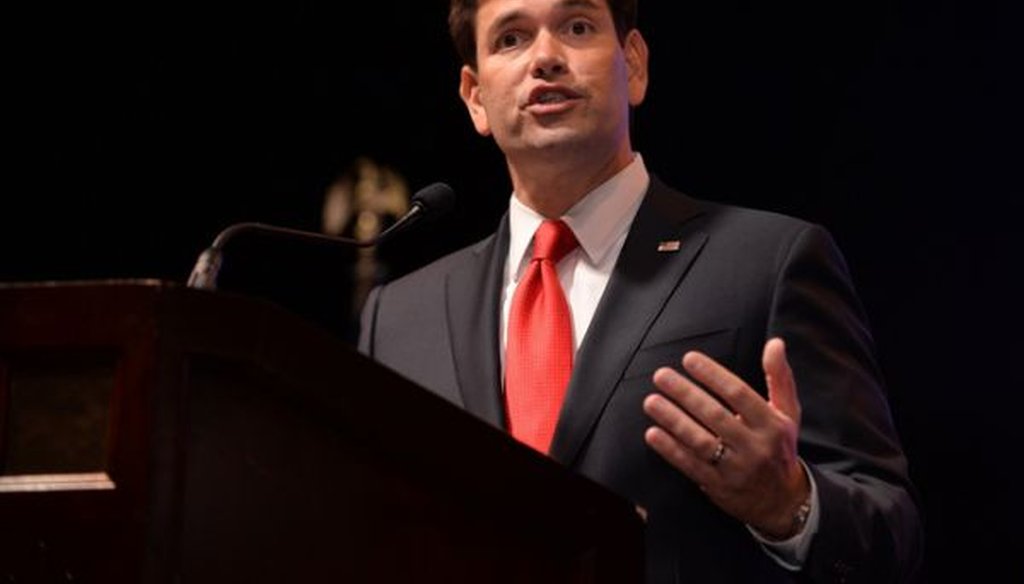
x,y
869,528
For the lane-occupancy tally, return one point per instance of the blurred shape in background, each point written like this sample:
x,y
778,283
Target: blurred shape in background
x,y
360,204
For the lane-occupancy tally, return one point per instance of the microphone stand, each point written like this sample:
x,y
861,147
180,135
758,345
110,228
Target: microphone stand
x,y
434,199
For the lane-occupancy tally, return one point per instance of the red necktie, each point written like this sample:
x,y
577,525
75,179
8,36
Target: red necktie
x,y
538,357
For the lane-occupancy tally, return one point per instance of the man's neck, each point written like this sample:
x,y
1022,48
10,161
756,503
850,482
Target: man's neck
x,y
551,187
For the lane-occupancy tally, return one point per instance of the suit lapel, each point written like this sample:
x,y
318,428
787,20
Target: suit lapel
x,y
473,292
641,283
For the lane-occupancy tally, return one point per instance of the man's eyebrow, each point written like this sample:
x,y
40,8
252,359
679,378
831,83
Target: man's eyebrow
x,y
503,20
587,4
514,15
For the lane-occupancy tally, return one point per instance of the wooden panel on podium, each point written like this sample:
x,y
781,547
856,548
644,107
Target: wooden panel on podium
x,y
151,433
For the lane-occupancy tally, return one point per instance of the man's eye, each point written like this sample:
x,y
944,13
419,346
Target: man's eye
x,y
508,40
580,28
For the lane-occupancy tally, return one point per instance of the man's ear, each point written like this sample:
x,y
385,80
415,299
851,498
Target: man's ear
x,y
636,52
469,90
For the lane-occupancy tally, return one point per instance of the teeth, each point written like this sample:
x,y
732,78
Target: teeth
x,y
551,98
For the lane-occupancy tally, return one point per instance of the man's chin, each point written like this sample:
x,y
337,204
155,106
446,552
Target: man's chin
x,y
550,140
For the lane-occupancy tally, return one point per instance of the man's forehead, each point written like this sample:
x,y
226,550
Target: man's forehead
x,y
504,9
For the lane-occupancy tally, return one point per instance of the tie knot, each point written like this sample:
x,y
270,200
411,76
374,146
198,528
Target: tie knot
x,y
552,241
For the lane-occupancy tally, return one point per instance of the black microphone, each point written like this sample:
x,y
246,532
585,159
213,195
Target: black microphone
x,y
430,201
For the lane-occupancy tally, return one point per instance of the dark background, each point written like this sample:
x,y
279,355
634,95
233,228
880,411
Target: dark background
x,y
133,135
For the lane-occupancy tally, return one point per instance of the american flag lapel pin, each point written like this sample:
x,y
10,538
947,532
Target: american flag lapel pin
x,y
669,246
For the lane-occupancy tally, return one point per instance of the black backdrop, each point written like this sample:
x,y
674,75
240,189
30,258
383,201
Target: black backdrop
x,y
132,135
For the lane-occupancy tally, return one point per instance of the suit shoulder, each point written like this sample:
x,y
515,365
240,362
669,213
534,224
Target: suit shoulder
x,y
669,202
435,271
754,220
756,236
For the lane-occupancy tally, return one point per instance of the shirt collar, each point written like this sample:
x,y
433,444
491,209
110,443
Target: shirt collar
x,y
597,220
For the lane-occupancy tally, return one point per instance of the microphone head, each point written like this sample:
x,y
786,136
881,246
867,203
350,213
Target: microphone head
x,y
436,199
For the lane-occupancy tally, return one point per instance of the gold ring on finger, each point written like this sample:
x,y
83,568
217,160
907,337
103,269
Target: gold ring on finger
x,y
719,453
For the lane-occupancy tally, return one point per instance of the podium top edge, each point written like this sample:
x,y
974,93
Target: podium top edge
x,y
130,282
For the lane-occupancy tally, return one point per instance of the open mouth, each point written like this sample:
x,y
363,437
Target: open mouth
x,y
551,95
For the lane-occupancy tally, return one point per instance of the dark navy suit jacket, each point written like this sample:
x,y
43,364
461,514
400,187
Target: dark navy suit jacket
x,y
738,278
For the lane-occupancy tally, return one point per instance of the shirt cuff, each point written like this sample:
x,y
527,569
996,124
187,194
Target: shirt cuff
x,y
792,553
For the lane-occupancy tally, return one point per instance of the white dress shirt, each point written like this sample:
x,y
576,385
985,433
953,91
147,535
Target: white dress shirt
x,y
600,222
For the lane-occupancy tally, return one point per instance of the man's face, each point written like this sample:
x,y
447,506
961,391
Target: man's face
x,y
551,74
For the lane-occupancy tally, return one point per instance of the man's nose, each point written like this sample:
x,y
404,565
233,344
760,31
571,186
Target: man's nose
x,y
548,57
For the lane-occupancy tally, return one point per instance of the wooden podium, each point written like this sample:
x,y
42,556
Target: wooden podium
x,y
153,433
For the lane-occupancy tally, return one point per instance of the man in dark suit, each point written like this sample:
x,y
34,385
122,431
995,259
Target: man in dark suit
x,y
710,363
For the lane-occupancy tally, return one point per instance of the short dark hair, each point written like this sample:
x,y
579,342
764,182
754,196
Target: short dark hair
x,y
462,24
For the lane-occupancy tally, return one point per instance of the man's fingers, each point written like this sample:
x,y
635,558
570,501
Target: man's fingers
x,y
682,458
708,414
679,424
779,378
725,384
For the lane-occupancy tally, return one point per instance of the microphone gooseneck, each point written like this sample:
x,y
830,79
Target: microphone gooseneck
x,y
431,201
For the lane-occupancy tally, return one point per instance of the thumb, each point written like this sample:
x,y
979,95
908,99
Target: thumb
x,y
779,378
